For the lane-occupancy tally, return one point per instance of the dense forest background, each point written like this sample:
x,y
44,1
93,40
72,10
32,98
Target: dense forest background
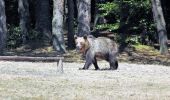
x,y
55,22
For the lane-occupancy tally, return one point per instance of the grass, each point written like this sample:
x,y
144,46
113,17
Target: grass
x,y
146,49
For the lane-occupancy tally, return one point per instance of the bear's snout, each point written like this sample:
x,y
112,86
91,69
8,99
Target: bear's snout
x,y
77,48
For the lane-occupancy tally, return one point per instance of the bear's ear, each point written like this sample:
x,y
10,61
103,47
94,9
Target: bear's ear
x,y
85,37
75,37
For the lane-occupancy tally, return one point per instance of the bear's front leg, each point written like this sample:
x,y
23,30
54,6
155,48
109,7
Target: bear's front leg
x,y
87,65
89,60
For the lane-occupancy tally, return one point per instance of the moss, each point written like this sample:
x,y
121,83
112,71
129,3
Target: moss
x,y
146,50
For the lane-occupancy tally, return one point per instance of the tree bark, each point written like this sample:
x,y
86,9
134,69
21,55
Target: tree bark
x,y
160,25
57,26
98,19
84,17
43,20
71,32
3,29
123,26
23,9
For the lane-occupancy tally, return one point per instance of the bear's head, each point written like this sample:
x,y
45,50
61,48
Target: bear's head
x,y
82,43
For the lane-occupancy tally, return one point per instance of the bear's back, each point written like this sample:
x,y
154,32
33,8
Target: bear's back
x,y
103,45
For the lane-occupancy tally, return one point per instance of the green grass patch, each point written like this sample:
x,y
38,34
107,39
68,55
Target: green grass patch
x,y
146,49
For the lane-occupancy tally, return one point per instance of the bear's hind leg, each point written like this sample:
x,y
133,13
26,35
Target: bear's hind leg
x,y
113,63
95,64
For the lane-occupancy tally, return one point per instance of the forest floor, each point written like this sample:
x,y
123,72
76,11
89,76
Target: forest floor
x,y
132,54
143,74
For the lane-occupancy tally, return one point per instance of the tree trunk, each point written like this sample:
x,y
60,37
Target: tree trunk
x,y
98,19
43,20
3,29
23,9
123,26
71,32
57,26
84,17
160,24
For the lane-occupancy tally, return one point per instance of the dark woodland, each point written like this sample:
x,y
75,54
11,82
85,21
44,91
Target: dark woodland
x,y
26,25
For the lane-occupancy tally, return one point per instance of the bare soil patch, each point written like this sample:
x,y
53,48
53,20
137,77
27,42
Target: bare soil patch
x,y
40,81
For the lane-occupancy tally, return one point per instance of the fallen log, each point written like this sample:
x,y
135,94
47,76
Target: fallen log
x,y
58,59
31,59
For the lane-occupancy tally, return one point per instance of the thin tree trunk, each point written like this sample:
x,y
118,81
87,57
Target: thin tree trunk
x,y
57,26
23,9
160,24
43,20
122,29
98,19
3,29
84,17
71,32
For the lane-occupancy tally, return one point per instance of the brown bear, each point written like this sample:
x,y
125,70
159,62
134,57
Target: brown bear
x,y
101,47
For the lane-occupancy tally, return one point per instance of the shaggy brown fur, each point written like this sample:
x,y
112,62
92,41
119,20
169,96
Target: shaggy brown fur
x,y
93,48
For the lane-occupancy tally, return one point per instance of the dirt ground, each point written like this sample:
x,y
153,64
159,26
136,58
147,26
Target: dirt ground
x,y
41,81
